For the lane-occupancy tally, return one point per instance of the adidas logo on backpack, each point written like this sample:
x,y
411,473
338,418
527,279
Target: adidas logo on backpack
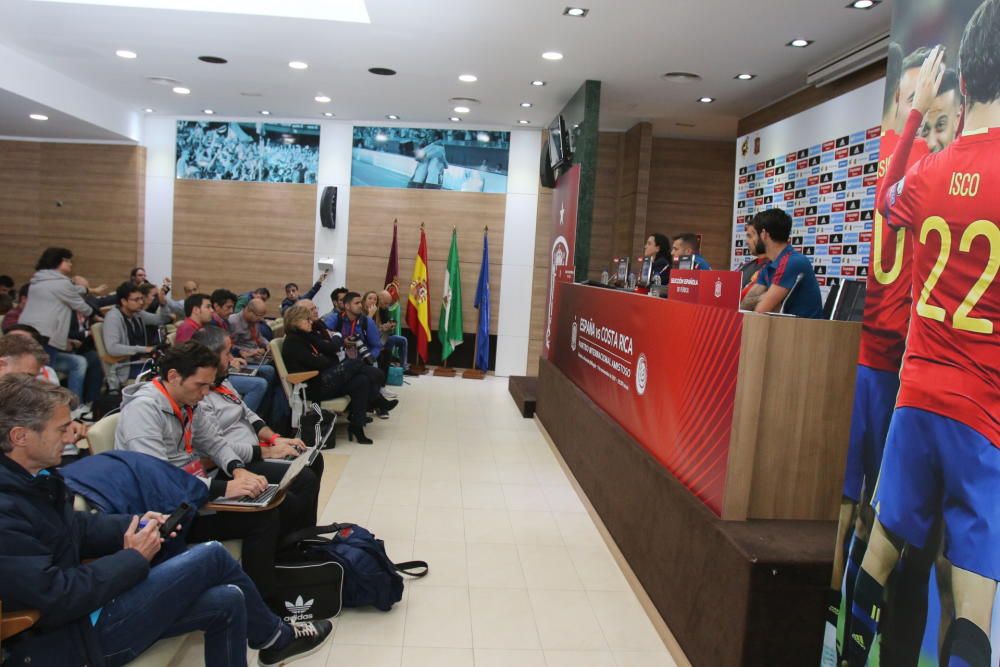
x,y
298,610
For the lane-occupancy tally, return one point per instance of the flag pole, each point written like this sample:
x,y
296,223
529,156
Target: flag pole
x,y
476,373
443,370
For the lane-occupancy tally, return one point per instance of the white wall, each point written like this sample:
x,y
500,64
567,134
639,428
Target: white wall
x,y
516,267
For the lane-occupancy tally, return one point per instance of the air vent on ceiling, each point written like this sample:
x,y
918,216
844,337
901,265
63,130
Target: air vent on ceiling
x,y
162,80
862,55
465,101
252,94
681,77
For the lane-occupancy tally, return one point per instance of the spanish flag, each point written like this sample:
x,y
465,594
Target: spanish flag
x,y
418,303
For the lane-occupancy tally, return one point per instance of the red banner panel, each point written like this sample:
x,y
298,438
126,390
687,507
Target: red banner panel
x,y
565,199
666,372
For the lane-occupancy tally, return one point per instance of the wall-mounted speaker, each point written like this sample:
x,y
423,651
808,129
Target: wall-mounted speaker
x,y
328,207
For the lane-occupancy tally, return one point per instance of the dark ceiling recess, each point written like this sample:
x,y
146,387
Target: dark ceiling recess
x,y
382,71
215,60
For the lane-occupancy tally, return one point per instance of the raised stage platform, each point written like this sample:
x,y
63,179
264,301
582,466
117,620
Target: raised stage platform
x,y
733,593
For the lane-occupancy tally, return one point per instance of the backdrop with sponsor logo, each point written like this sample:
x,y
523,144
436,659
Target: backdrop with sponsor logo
x,y
821,167
666,372
920,603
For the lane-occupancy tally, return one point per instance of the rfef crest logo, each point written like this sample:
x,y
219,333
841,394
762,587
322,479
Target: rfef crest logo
x,y
641,374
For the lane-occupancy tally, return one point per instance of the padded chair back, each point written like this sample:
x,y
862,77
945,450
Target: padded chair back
x,y
97,331
101,435
276,346
171,337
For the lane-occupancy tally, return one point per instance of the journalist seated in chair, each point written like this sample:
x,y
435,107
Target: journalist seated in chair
x,y
110,609
225,415
309,347
125,329
362,340
157,418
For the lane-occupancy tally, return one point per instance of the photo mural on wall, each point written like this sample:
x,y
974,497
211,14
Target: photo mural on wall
x,y
430,159
918,549
254,152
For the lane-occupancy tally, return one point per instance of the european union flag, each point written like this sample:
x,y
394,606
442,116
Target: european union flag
x,y
482,304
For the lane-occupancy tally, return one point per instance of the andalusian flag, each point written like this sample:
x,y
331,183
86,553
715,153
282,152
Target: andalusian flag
x,y
392,282
418,302
450,321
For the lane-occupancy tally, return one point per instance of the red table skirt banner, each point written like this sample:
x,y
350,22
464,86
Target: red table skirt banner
x,y
666,372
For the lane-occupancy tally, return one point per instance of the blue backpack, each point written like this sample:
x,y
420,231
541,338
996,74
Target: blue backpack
x,y
370,577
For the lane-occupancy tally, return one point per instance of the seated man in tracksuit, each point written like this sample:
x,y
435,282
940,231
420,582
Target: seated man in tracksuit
x,y
224,415
361,339
157,418
109,610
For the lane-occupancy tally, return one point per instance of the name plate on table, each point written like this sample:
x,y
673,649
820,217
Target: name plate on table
x,y
706,288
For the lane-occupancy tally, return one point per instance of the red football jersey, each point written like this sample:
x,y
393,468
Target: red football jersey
x,y
950,202
887,301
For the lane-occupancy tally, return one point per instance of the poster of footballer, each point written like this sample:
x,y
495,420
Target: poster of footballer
x,y
918,546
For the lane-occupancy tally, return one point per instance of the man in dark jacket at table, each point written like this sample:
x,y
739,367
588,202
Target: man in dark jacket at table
x,y
109,610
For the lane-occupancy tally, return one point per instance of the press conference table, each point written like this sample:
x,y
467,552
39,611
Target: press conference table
x,y
712,444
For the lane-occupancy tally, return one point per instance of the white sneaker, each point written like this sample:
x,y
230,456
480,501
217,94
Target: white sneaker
x,y
389,394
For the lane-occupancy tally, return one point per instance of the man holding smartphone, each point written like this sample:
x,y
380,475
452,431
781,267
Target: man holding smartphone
x,y
116,605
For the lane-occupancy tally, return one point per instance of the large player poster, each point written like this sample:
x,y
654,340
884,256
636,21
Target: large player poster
x,y
918,550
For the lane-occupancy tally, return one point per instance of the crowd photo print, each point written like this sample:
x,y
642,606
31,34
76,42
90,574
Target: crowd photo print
x,y
918,546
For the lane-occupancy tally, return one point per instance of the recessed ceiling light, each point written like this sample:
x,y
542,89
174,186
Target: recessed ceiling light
x,y
799,43
526,105
265,112
298,64
208,112
455,119
181,90
38,116
468,78
523,122
461,109
125,53
863,4
552,55
682,77
392,116
149,110
746,76
323,99
706,100
382,71
213,60
577,12
328,114
536,82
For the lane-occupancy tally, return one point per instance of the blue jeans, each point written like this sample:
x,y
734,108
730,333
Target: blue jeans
x,y
201,589
252,389
399,344
73,365
276,404
95,376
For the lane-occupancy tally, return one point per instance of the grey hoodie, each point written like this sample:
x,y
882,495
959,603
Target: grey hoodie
x,y
231,420
52,298
148,425
115,334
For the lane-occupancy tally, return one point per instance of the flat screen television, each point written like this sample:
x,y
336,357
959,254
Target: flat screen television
x,y
559,150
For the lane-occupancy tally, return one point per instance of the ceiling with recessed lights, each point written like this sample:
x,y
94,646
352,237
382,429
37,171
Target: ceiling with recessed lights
x,y
627,44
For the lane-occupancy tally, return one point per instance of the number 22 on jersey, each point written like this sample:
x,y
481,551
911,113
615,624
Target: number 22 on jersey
x,y
960,318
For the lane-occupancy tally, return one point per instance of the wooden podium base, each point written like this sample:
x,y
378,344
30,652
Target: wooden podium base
x,y
444,371
473,374
418,369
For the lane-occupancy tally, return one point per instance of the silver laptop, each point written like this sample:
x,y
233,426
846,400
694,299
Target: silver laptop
x,y
257,365
272,490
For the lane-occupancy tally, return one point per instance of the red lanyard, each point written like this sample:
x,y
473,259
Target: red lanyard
x,y
228,393
185,417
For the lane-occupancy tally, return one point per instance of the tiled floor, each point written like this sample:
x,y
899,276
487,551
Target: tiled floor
x,y
520,575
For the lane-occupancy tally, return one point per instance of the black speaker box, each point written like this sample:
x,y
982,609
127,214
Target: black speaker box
x,y
328,207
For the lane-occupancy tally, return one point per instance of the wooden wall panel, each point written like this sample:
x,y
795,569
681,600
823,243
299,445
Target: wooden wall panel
x,y
87,197
372,213
540,278
244,235
605,203
691,190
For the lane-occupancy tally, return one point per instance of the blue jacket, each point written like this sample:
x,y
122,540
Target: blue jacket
x,y
365,329
42,545
122,482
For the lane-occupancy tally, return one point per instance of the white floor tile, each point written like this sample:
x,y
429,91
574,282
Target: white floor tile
x,y
502,619
494,566
547,566
563,499
369,656
440,493
396,491
579,659
578,529
483,496
393,521
439,618
415,656
491,657
488,526
624,622
643,659
535,528
371,627
597,569
525,497
448,565
566,621
445,524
